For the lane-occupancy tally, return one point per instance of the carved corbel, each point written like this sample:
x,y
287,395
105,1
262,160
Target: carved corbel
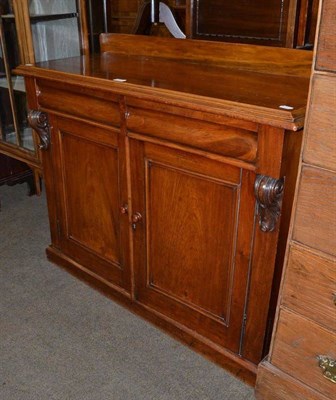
x,y
268,192
38,120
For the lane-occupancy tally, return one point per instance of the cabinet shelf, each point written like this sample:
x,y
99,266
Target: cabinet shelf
x,y
35,18
8,17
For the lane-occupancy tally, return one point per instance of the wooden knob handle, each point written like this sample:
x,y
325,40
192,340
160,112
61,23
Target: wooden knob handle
x,y
124,209
137,217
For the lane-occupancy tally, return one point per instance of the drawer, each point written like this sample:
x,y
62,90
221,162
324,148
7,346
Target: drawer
x,y
316,210
81,103
274,384
326,54
298,343
225,140
310,286
320,147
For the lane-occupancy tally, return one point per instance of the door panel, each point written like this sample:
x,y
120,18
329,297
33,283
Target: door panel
x,y
192,246
189,236
93,223
91,228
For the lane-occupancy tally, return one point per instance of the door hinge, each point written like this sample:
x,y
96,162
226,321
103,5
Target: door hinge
x,y
242,334
244,323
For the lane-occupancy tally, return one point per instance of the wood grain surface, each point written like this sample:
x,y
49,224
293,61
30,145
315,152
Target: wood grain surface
x,y
320,146
326,49
242,81
300,341
316,210
310,286
274,384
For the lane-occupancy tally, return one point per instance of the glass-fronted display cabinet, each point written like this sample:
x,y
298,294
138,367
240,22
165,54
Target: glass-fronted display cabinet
x,y
32,31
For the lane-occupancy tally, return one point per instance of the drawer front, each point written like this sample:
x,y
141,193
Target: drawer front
x,y
220,139
274,384
310,286
326,54
320,147
83,103
316,210
298,343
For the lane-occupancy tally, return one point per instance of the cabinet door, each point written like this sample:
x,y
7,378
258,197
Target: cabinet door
x,y
16,137
89,174
192,244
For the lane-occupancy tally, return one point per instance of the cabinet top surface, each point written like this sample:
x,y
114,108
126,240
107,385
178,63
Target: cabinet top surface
x,y
252,82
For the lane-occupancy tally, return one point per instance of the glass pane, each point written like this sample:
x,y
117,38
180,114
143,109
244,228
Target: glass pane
x,y
56,39
25,132
46,7
14,128
7,125
10,37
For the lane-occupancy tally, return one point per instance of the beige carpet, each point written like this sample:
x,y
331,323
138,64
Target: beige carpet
x,y
60,339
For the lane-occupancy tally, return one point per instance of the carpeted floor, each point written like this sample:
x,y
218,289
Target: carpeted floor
x,y
60,339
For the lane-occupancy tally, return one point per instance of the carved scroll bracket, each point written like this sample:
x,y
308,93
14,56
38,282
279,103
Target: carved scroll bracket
x,y
268,192
38,120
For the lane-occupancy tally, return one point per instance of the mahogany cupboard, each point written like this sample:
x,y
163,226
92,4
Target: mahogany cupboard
x,y
167,165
